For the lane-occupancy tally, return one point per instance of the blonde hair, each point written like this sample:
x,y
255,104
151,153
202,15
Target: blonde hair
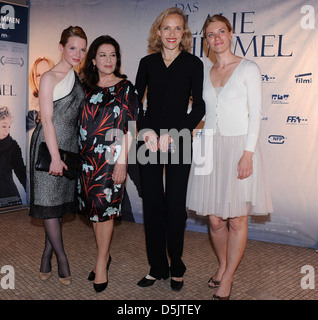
x,y
32,76
5,113
154,41
215,18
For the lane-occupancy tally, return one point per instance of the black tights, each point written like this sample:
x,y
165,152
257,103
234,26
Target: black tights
x,y
54,242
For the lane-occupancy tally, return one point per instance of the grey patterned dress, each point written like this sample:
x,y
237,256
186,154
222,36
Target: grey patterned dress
x,y
51,196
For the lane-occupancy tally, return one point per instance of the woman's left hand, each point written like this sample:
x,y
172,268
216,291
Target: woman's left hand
x,y
245,165
164,142
120,173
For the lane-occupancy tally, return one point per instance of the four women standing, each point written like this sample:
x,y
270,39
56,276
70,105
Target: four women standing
x,y
172,77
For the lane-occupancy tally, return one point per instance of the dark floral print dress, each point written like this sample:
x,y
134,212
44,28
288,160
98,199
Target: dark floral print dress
x,y
104,117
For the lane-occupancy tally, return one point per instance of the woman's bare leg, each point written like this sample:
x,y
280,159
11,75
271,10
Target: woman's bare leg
x,y
237,237
219,233
103,234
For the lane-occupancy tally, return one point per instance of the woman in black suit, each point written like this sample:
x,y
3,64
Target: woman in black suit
x,y
171,76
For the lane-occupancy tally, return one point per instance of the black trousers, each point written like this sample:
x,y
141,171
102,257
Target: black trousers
x,y
165,215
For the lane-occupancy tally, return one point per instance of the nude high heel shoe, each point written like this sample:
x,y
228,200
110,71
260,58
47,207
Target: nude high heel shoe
x,y
66,281
45,275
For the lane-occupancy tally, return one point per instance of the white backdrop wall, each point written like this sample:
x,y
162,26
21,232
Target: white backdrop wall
x,y
280,35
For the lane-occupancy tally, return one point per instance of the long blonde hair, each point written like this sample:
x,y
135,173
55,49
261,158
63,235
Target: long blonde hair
x,y
154,41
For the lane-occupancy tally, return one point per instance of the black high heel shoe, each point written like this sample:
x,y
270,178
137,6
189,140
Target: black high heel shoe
x,y
145,282
99,287
91,276
176,285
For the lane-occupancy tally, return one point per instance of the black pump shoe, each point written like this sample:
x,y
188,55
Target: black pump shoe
x,y
91,276
144,282
99,287
176,285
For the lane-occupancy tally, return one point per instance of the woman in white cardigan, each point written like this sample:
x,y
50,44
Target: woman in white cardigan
x,y
227,180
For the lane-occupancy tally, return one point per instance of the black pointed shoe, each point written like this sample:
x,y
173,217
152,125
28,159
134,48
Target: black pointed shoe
x,y
176,285
99,287
144,282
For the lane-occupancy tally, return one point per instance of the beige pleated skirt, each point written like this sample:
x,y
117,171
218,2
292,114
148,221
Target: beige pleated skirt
x,y
213,186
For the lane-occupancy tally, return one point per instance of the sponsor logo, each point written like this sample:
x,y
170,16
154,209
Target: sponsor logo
x,y
276,139
296,120
280,98
268,79
303,78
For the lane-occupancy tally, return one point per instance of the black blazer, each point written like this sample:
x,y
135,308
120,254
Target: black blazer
x,y
168,92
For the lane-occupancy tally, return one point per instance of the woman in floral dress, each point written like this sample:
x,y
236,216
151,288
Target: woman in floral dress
x,y
110,103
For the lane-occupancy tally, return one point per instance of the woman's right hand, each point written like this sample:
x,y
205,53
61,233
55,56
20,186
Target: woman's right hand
x,y
56,167
245,165
151,140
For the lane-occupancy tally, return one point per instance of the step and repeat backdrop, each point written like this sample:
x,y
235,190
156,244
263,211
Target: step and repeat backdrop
x,y
280,36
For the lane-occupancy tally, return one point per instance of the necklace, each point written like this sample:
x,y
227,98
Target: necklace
x,y
171,58
168,59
